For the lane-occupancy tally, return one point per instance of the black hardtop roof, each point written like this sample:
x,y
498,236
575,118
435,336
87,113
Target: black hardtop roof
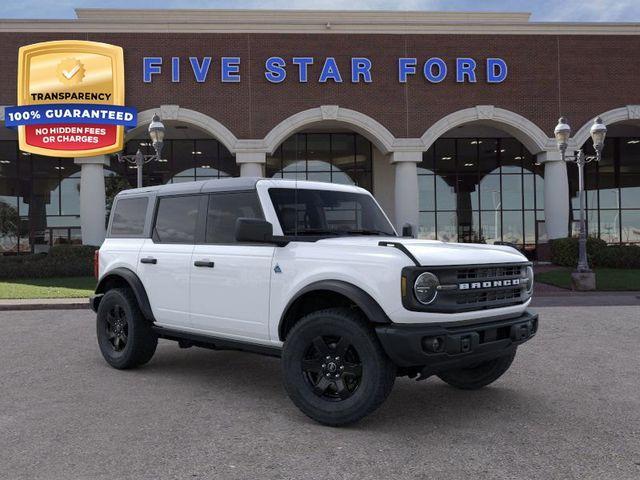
x,y
201,186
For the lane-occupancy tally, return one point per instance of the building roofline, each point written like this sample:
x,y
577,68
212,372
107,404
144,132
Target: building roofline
x,y
310,21
263,16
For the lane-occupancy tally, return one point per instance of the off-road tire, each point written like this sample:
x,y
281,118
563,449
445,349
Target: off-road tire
x,y
480,375
141,342
349,398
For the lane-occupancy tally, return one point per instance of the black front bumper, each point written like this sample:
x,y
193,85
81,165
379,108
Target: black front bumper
x,y
94,301
437,348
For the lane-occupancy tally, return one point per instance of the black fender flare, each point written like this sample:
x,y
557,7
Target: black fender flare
x,y
134,282
365,302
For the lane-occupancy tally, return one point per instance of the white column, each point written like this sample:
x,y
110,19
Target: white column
x,y
251,163
406,189
92,199
556,194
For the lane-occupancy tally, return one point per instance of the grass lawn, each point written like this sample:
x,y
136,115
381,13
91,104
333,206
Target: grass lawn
x,y
70,287
606,278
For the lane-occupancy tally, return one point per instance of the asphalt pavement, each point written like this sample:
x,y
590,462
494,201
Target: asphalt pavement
x,y
569,407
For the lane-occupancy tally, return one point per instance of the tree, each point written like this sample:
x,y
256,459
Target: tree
x,y
114,184
9,221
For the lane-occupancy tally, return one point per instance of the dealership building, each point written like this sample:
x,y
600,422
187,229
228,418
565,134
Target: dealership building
x,y
447,118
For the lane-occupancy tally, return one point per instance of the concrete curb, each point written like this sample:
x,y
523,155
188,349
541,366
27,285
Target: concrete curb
x,y
44,304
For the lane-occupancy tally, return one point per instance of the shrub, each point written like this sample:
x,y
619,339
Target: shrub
x,y
618,256
564,252
61,261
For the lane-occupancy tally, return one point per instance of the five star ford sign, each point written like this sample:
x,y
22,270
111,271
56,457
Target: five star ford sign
x,y
70,99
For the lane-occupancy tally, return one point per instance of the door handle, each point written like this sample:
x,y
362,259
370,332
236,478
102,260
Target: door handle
x,y
203,263
149,260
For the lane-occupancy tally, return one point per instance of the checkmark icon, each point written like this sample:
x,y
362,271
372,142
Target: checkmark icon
x,y
71,73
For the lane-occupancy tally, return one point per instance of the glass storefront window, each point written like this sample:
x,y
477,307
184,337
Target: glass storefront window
x,y
319,152
487,158
512,192
427,227
70,196
344,158
630,223
445,156
43,193
490,192
630,190
612,191
511,155
483,190
445,194
427,193
610,225
512,227
447,226
491,224
182,161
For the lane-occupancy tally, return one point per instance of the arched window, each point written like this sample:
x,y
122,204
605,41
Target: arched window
x,y
483,190
326,157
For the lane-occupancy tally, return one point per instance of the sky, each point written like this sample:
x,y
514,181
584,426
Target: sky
x,y
542,10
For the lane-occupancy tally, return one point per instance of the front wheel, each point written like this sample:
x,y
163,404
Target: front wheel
x,y
478,376
125,337
335,369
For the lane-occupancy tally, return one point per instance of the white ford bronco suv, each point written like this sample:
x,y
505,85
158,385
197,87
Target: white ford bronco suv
x,y
311,272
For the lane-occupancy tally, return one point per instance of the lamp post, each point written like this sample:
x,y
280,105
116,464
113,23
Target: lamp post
x,y
562,133
156,133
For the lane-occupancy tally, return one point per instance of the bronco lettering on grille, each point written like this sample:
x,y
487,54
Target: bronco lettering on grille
x,y
489,284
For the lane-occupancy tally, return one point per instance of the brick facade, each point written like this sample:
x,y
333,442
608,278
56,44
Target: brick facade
x,y
575,75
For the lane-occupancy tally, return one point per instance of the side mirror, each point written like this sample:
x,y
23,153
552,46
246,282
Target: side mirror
x,y
407,231
254,230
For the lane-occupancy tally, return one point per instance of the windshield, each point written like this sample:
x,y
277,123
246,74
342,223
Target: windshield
x,y
328,212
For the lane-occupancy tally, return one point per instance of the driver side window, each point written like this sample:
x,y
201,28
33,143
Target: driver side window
x,y
223,211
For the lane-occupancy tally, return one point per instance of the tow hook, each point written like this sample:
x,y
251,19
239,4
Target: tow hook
x,y
522,331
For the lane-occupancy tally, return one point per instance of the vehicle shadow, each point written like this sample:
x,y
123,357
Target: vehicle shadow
x,y
411,405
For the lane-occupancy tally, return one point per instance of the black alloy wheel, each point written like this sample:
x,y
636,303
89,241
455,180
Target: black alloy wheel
x,y
332,367
125,337
117,328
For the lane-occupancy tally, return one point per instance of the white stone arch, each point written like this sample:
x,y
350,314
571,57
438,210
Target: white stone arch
x,y
373,130
622,114
527,132
185,115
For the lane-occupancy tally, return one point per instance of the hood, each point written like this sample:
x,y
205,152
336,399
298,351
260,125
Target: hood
x,y
437,253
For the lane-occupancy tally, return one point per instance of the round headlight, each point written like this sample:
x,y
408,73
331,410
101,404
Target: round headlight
x,y
529,280
425,288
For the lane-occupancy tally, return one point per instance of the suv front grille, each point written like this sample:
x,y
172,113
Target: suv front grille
x,y
505,295
475,287
483,272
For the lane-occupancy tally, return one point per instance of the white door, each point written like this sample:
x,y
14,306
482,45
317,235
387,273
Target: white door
x,y
229,280
164,260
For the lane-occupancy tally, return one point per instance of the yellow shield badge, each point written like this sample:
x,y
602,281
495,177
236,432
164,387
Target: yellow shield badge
x,y
71,99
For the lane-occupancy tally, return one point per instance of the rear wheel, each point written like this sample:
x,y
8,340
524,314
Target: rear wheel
x,y
125,337
335,370
478,376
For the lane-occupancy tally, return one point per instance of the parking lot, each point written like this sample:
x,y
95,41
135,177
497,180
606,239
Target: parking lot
x,y
568,408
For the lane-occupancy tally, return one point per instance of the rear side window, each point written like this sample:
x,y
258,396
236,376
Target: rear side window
x,y
176,219
223,211
128,217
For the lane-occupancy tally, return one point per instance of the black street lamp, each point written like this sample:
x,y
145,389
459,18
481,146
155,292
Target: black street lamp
x,y
156,133
562,133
